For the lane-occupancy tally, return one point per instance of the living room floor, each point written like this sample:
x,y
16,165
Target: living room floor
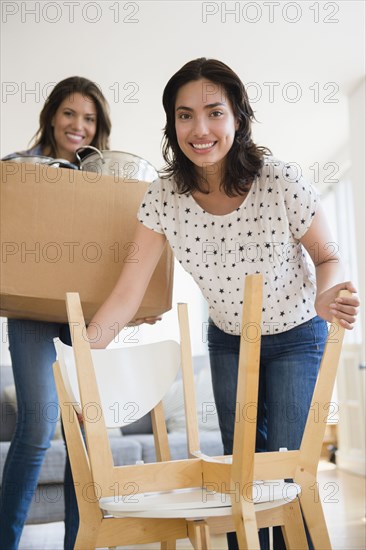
x,y
343,497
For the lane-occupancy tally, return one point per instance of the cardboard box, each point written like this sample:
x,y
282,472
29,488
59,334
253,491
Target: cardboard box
x,y
64,230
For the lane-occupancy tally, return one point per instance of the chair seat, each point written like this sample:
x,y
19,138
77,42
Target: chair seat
x,y
197,502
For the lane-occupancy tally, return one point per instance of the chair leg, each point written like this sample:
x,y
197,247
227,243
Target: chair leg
x,y
314,517
199,535
246,526
86,539
293,529
168,545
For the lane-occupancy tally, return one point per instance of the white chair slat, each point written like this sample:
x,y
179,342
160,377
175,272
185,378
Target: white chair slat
x,y
196,502
131,381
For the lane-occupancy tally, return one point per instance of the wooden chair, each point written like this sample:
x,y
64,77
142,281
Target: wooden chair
x,y
168,500
99,383
300,465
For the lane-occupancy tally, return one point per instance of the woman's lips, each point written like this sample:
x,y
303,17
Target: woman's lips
x,y
75,138
203,147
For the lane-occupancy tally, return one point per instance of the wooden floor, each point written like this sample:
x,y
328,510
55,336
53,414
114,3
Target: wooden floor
x,y
343,496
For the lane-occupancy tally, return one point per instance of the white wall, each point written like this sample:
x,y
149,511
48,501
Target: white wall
x,y
352,371
132,48
294,62
357,117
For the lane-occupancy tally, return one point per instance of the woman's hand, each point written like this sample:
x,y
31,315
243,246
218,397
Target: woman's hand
x,y
328,305
148,320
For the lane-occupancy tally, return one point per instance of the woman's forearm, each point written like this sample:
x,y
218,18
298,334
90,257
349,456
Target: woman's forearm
x,y
111,318
328,304
328,274
319,243
125,299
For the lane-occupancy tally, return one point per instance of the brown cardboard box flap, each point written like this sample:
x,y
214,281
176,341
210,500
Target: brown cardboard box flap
x,y
69,231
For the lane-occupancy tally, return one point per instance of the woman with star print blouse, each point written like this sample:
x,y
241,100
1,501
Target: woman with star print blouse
x,y
228,209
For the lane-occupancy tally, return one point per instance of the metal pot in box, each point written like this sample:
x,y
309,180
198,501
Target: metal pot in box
x,y
116,163
40,159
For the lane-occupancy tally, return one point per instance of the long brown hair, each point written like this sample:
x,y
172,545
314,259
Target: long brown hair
x,y
74,84
245,158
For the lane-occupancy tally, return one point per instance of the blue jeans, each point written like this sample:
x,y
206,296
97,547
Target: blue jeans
x,y
32,354
289,365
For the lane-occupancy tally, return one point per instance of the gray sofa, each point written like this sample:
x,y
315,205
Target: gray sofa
x,y
136,442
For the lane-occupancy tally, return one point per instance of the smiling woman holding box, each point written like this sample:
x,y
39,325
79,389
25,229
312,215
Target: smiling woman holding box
x,y
229,209
75,114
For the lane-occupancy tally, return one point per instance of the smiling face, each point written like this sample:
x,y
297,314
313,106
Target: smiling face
x,y
74,125
204,122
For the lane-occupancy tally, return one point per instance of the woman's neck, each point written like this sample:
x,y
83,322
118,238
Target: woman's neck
x,y
211,178
217,202
58,154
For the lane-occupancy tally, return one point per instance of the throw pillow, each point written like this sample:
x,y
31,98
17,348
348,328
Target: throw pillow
x,y
173,404
11,398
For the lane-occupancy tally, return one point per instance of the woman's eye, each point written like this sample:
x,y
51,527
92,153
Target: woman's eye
x,y
90,119
67,113
216,113
184,116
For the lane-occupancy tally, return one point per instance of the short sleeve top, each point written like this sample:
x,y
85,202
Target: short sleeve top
x,y
262,235
37,150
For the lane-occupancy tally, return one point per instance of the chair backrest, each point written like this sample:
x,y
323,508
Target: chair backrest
x,y
131,381
117,386
248,379
312,441
300,462
98,463
242,471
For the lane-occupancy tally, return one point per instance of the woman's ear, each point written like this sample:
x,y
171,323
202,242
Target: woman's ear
x,y
237,124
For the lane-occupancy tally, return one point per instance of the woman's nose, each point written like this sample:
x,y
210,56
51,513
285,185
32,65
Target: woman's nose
x,y
78,122
200,127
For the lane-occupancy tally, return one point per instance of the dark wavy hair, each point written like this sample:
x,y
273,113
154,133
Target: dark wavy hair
x,y
244,160
74,84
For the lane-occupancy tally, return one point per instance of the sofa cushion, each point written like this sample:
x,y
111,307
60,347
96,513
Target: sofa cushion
x,y
124,450
52,470
8,418
174,404
211,445
47,505
7,412
142,426
206,410
10,398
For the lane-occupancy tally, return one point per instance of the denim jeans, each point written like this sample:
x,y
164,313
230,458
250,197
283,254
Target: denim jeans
x,y
289,365
32,354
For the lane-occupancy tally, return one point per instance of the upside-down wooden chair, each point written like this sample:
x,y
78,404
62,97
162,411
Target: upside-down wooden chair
x,y
169,500
300,465
162,501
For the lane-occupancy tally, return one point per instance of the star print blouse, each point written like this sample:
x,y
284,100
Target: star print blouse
x,y
261,236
